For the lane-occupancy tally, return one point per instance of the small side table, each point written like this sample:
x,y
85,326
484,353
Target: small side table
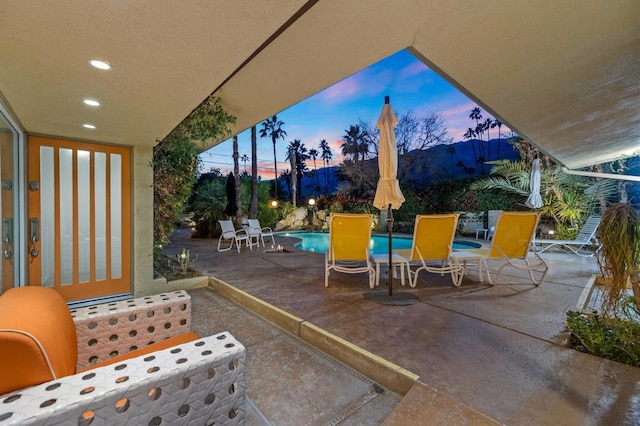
x,y
484,232
396,260
467,256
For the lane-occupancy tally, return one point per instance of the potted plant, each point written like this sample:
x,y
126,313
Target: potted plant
x,y
619,257
614,331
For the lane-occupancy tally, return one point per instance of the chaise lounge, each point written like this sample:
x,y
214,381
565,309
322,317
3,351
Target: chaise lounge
x,y
586,237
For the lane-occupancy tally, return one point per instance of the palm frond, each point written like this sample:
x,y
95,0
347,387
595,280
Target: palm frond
x,y
498,183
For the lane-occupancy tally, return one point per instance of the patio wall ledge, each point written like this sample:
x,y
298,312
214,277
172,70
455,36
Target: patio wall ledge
x,y
387,374
161,285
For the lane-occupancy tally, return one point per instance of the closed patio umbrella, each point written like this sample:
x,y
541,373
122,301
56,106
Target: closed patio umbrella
x,y
535,199
388,194
231,208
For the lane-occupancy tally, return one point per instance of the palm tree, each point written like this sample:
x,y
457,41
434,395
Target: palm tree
x,y
497,123
356,142
236,174
568,199
487,127
253,202
476,114
326,156
298,149
451,150
313,153
469,135
244,159
272,127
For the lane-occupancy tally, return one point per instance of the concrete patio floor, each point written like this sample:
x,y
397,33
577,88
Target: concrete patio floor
x,y
476,354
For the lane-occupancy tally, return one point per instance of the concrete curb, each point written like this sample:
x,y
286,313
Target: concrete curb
x,y
387,374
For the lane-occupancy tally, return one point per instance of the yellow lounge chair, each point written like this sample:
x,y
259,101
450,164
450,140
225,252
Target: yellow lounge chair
x,y
432,242
510,247
349,239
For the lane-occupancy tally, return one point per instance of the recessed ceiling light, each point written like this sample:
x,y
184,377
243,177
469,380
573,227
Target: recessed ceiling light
x,y
88,126
99,64
91,102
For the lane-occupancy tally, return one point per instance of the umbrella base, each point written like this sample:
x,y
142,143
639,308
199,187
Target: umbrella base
x,y
399,298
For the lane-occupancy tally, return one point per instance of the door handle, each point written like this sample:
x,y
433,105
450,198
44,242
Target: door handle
x,y
34,234
7,237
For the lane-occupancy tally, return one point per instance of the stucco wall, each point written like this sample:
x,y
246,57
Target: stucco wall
x,y
142,205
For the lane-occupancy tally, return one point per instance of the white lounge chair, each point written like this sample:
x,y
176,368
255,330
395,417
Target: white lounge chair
x,y
233,236
258,232
586,237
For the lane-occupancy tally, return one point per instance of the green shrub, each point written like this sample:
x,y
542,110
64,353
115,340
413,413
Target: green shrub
x,y
498,200
412,206
617,339
208,206
343,203
175,164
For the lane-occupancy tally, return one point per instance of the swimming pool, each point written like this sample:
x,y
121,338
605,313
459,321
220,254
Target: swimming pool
x,y
318,242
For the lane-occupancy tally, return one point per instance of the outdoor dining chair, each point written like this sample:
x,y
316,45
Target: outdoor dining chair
x,y
432,245
510,247
349,239
586,237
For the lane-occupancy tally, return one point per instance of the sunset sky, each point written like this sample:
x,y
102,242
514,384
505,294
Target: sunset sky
x,y
410,84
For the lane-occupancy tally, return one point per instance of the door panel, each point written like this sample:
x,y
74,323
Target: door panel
x,y
79,217
7,264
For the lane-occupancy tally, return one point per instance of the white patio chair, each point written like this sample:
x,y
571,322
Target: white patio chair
x,y
586,237
233,236
256,231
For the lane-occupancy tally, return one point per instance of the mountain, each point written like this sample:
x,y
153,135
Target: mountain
x,y
428,165
437,163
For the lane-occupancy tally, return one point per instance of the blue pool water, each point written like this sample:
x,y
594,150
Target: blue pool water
x,y
318,242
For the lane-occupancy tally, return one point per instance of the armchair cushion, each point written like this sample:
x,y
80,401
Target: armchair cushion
x,y
37,338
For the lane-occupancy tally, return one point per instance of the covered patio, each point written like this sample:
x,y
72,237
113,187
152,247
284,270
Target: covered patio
x,y
564,75
470,355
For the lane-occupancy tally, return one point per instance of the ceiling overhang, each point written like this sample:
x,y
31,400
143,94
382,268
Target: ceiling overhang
x,y
565,75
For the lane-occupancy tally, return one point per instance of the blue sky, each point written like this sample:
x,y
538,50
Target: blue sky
x,y
410,84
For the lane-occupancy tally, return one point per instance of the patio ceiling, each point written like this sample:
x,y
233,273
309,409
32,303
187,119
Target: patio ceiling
x,y
565,75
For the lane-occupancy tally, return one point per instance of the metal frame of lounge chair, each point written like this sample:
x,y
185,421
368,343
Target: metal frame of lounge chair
x,y
586,237
229,233
255,230
349,238
510,246
432,242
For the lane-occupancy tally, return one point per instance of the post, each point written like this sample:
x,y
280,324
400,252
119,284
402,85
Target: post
x,y
390,228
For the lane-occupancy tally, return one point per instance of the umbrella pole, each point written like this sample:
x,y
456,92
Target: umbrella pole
x,y
389,228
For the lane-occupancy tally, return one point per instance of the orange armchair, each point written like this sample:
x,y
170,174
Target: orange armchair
x,y
133,361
